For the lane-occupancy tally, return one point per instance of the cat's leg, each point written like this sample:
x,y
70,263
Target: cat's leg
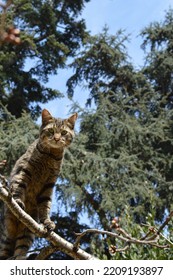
x,y
25,237
44,200
17,190
20,179
24,240
10,231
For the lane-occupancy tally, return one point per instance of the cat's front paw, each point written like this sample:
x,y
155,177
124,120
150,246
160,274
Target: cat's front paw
x,y
20,203
49,225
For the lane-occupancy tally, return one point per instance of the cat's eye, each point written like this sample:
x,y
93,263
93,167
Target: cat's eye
x,y
63,132
51,130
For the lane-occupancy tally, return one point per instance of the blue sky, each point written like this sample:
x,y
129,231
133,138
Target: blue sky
x,y
130,15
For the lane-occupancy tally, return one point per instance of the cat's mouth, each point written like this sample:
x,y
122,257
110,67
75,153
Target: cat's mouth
x,y
57,143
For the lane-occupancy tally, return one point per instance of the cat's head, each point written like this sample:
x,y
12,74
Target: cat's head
x,y
56,133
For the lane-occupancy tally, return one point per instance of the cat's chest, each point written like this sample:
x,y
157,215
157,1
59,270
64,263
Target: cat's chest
x,y
35,170
42,173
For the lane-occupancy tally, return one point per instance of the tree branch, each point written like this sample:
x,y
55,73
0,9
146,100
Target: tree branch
x,y
73,250
5,6
46,252
38,229
127,239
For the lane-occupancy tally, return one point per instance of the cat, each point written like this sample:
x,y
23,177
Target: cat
x,y
32,180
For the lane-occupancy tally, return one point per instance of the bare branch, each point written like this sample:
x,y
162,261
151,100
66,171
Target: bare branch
x,y
127,239
46,252
73,250
115,235
38,229
165,222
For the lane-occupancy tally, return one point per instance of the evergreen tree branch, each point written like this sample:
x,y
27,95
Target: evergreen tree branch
x,y
38,229
96,207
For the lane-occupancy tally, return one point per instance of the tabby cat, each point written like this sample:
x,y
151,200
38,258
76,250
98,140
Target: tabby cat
x,y
32,180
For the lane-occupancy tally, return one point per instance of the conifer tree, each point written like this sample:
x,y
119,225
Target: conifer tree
x,y
50,32
120,163
15,137
122,156
158,46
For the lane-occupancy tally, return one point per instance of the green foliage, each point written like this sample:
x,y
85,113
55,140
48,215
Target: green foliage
x,y
122,155
15,136
158,44
102,61
101,245
143,252
50,33
121,161
118,153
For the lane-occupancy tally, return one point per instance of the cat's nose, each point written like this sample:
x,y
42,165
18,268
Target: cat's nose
x,y
57,136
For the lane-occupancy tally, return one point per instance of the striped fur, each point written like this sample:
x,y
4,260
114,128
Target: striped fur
x,y
32,181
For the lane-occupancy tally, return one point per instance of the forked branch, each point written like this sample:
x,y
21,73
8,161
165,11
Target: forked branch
x,y
39,230
151,238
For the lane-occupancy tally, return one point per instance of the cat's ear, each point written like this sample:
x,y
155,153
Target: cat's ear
x,y
46,116
73,119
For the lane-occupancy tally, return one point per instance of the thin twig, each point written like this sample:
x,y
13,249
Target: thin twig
x,y
158,231
125,237
115,235
165,222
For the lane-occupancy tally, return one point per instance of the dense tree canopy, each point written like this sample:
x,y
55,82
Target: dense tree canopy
x,y
121,162
129,136
51,32
123,154
158,44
